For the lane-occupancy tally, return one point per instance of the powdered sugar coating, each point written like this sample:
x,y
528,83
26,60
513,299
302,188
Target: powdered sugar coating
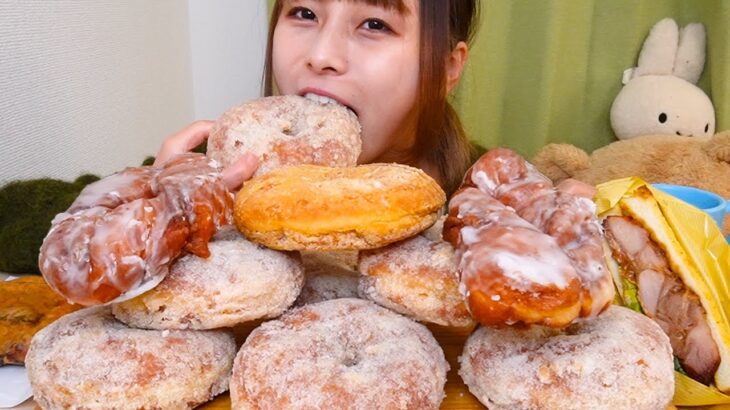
x,y
118,238
618,360
328,275
240,281
342,353
286,130
88,360
417,277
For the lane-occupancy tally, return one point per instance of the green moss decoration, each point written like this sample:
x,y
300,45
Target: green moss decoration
x,y
202,148
26,211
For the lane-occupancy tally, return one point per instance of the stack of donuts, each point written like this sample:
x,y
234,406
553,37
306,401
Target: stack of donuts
x,y
342,264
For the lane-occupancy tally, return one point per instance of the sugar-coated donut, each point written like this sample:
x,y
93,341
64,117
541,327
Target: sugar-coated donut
x,y
286,130
240,281
417,277
328,275
120,235
311,207
339,354
618,360
89,360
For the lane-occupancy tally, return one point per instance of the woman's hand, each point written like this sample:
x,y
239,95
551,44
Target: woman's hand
x,y
193,135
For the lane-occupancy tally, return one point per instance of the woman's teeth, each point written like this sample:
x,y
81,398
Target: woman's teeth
x,y
320,99
325,100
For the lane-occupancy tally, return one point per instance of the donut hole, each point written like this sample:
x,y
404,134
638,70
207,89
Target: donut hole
x,y
352,358
288,130
349,348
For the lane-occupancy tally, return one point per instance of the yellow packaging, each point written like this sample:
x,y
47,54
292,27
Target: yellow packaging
x,y
703,242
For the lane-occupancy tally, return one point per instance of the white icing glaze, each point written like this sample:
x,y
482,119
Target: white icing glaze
x,y
565,235
115,235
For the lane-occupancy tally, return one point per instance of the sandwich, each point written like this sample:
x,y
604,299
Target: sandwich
x,y
669,262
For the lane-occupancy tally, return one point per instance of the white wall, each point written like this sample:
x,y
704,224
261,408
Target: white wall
x,y
94,86
228,43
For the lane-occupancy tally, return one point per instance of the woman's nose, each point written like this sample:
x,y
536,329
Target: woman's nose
x,y
328,53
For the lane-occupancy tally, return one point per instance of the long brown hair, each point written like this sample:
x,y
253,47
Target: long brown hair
x,y
440,137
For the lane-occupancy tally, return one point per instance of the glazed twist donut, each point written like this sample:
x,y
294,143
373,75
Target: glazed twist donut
x,y
528,252
118,238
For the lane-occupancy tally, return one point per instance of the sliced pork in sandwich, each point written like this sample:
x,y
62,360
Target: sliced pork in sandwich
x,y
655,276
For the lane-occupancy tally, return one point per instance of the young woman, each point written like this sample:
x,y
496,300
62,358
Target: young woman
x,y
393,62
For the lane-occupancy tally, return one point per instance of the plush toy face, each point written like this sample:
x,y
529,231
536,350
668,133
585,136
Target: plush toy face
x,y
660,95
662,104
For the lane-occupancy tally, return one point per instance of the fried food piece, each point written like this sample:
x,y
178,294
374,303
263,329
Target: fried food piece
x,y
27,305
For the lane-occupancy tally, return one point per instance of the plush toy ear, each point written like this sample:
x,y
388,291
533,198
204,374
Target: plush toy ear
x,y
659,50
690,58
718,147
561,161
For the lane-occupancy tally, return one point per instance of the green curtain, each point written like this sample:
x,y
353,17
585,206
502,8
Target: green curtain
x,y
544,71
548,71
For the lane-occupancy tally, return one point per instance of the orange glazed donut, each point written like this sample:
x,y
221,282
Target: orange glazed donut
x,y
339,354
618,360
528,252
240,281
118,238
287,130
309,207
88,360
417,277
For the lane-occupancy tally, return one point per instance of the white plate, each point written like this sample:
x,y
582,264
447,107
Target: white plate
x,y
14,386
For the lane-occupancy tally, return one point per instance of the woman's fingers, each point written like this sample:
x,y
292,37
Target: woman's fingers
x,y
183,140
240,171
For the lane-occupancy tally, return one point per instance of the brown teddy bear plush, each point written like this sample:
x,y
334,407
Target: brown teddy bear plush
x,y
701,162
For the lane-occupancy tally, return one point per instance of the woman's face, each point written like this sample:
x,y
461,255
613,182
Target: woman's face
x,y
365,57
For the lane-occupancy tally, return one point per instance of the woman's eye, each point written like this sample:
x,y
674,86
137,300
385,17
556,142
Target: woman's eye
x,y
375,25
303,13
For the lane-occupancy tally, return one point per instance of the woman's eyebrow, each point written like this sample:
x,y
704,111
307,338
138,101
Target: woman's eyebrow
x,y
398,5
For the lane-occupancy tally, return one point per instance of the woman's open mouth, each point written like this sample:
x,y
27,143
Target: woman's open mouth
x,y
326,100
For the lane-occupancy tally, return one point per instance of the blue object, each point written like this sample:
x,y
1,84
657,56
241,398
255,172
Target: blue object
x,y
711,203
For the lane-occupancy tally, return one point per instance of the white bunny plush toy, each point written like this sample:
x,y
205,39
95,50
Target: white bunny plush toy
x,y
660,96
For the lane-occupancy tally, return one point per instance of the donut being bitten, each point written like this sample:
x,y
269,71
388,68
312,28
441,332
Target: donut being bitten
x,y
339,354
120,235
89,360
528,252
618,360
417,277
309,207
240,281
286,130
